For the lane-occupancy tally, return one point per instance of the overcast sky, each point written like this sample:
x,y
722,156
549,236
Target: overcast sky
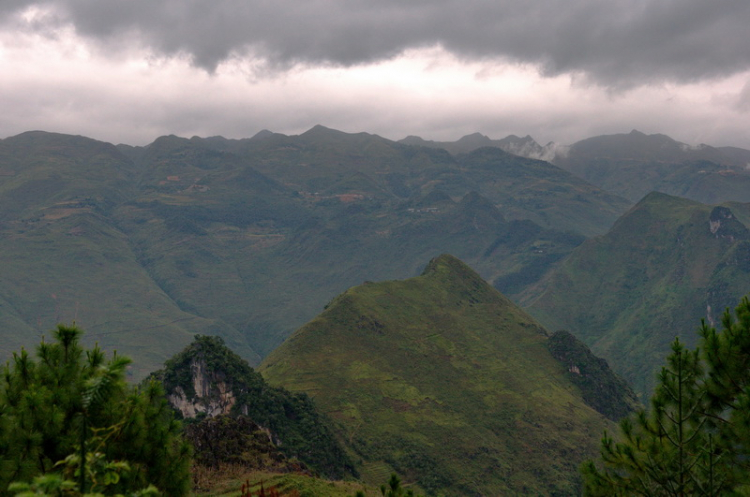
x,y
128,71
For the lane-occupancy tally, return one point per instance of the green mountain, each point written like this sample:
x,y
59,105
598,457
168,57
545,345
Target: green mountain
x,y
635,164
445,381
247,239
665,265
207,380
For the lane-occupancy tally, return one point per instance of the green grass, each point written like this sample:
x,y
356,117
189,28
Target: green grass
x,y
229,484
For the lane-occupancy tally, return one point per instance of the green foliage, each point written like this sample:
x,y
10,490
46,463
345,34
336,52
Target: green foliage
x,y
49,407
54,485
51,484
102,476
695,438
223,439
394,489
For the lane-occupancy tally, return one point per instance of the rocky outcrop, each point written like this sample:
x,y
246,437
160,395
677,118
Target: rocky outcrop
x,y
211,395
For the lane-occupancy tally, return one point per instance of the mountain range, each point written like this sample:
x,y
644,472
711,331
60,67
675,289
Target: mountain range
x,y
525,147
248,239
632,164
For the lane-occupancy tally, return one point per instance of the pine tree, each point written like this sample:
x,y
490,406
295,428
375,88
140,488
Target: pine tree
x,y
727,353
695,438
51,406
662,448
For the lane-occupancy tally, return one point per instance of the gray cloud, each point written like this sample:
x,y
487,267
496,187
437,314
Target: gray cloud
x,y
616,43
743,99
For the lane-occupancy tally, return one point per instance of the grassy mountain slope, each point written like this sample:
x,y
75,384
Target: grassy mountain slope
x,y
600,387
201,225
635,164
663,266
444,380
44,174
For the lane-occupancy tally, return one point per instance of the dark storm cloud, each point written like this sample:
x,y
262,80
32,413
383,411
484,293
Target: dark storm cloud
x,y
613,42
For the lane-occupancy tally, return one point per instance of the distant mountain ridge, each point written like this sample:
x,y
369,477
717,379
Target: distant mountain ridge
x,y
524,147
634,145
634,164
631,164
658,147
406,367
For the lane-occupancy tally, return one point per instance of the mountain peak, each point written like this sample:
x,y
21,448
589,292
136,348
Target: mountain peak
x,y
655,196
319,129
474,136
334,136
474,140
262,134
414,140
464,284
662,201
445,262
